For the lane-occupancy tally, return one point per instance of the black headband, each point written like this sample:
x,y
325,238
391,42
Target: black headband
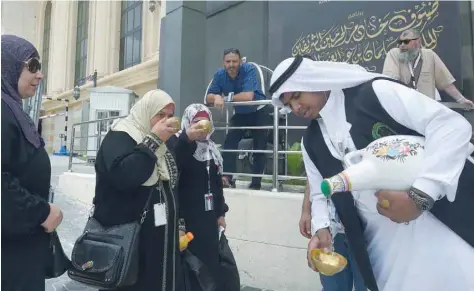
x,y
287,74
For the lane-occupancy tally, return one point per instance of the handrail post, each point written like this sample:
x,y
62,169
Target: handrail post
x,y
99,140
275,149
226,120
286,145
71,148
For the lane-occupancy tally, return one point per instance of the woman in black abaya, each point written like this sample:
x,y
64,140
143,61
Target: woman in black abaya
x,y
27,217
132,161
200,189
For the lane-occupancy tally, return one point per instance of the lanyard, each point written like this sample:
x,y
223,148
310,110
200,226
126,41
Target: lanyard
x,y
412,68
208,166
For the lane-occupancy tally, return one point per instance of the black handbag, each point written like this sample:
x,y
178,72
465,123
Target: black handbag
x,y
194,267
230,278
107,257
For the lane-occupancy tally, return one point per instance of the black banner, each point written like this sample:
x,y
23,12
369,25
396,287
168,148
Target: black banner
x,y
362,32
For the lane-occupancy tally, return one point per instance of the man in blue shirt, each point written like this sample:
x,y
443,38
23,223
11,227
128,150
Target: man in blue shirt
x,y
238,81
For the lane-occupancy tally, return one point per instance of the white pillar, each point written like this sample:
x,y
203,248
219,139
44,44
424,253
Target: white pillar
x,y
104,43
150,31
61,14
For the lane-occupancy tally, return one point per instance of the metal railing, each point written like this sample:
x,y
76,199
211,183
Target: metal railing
x,y
275,151
74,152
275,177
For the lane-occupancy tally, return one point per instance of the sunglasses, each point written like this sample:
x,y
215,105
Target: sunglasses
x,y
33,65
405,41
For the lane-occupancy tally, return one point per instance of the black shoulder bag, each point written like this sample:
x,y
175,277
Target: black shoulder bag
x,y
107,257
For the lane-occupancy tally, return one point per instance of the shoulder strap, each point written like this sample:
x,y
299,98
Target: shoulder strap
x,y
418,71
346,209
147,204
145,208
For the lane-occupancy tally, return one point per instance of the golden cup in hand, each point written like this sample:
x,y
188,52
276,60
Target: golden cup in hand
x,y
329,263
205,125
176,123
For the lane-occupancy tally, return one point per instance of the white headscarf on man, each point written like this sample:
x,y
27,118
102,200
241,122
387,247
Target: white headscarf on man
x,y
206,150
319,76
138,124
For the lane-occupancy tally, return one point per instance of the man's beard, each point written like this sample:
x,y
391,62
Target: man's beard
x,y
408,56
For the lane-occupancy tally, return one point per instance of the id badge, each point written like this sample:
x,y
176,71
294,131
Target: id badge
x,y
160,214
208,202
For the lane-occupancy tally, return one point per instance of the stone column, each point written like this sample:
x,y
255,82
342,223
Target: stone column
x,y
59,43
99,54
113,41
151,32
69,67
182,52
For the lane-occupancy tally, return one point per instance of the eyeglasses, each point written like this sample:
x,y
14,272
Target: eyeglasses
x,y
33,65
406,41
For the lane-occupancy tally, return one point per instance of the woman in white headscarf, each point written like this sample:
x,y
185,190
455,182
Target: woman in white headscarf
x,y
133,165
200,189
424,238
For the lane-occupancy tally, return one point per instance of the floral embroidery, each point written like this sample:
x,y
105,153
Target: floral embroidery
x,y
172,168
397,149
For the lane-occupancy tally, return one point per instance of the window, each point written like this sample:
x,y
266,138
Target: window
x,y
46,37
81,42
104,126
130,34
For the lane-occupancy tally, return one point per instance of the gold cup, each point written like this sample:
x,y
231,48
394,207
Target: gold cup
x,y
329,263
205,124
177,123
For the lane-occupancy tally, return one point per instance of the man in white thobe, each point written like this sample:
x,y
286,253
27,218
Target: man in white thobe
x,y
409,248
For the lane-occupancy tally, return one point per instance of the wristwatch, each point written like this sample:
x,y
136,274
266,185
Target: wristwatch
x,y
422,200
229,97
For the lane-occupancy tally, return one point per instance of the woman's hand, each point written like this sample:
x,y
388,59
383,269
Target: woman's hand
x,y
196,132
221,222
54,218
165,128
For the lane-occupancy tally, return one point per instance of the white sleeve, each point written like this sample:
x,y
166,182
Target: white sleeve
x,y
447,135
319,202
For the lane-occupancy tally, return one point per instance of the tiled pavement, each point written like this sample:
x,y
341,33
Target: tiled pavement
x,y
75,216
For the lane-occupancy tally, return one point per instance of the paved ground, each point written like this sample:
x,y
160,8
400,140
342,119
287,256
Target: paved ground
x,y
75,216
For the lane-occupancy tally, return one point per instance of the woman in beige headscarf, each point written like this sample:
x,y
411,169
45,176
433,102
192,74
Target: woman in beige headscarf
x,y
133,164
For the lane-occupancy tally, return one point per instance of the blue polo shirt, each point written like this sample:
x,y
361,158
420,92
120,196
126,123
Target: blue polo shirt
x,y
245,81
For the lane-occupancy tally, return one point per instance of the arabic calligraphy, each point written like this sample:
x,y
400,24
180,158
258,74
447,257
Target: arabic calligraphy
x,y
364,40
